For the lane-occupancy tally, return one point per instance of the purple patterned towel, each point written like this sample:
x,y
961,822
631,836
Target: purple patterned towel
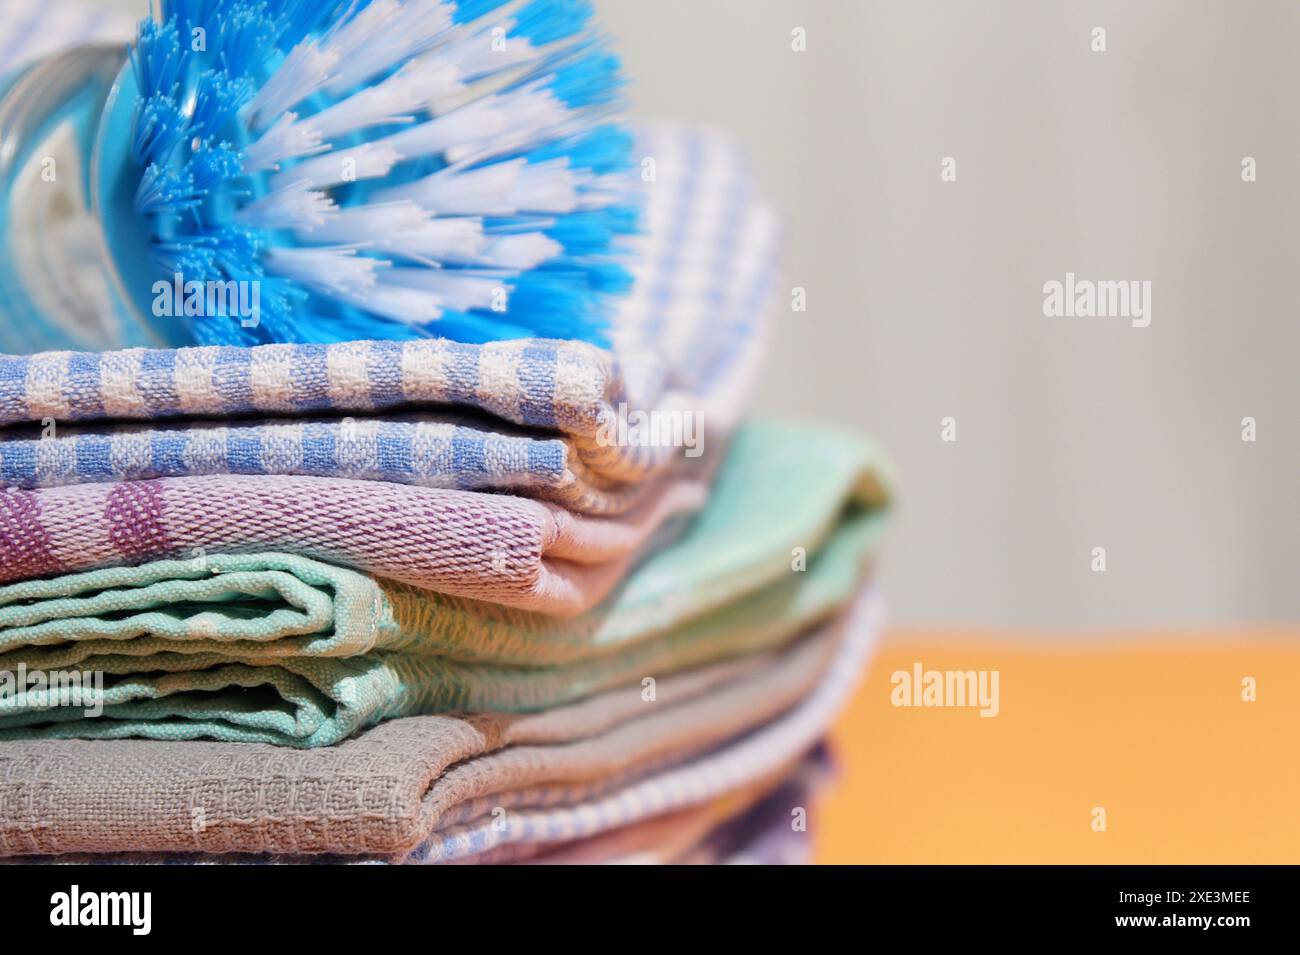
x,y
506,550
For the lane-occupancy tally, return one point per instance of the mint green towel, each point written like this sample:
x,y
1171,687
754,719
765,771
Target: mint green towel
x,y
283,649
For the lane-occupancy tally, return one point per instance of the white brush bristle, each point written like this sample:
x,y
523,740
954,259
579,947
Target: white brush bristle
x,y
296,206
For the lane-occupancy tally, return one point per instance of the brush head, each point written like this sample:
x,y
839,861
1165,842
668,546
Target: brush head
x,y
368,169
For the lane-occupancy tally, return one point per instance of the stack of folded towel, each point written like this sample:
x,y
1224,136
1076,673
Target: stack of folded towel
x,y
431,601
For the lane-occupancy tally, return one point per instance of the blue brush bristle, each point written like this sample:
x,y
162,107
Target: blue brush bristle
x,y
165,190
386,168
585,80
467,11
546,21
217,100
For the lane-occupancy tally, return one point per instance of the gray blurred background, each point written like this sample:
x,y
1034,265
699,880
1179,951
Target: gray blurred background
x,y
925,297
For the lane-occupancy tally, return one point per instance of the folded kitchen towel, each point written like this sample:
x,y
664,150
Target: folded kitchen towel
x,y
781,485
777,829
494,547
658,840
206,678
744,762
430,450
384,791
685,344
677,830
763,824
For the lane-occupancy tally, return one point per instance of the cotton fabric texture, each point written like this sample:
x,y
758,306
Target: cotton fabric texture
x,y
324,641
508,550
538,417
768,754
769,832
494,548
425,789
330,651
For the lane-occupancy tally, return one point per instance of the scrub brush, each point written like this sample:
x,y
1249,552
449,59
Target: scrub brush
x,y
382,169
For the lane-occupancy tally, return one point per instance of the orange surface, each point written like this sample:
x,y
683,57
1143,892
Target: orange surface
x,y
1152,729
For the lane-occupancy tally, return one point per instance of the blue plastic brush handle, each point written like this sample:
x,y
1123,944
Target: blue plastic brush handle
x,y
113,179
68,87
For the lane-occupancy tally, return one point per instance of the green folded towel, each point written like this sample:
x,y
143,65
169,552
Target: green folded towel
x,y
284,649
